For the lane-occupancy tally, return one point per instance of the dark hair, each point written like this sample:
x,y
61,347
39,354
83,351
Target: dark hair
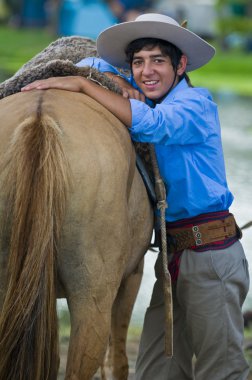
x,y
167,48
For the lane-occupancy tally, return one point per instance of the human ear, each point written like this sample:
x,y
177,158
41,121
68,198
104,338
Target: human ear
x,y
182,65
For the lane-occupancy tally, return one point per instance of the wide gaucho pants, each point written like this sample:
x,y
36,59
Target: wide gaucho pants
x,y
208,322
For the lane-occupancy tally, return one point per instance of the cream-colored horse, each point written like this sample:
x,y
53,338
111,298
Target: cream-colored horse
x,y
75,222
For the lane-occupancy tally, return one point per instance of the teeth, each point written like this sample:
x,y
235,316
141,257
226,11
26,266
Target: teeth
x,y
151,82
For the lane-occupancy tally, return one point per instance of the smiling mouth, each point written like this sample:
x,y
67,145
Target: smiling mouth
x,y
150,82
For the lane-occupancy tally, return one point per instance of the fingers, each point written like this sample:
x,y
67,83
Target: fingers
x,y
125,94
39,85
142,97
31,86
70,83
133,94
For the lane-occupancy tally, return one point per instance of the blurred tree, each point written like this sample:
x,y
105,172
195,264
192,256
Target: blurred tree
x,y
14,10
235,22
33,13
4,12
27,12
127,10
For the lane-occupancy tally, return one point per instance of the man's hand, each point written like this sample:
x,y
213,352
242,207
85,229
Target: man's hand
x,y
69,83
128,91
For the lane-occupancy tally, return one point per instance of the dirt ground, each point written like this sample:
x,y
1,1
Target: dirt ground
x,y
131,351
132,354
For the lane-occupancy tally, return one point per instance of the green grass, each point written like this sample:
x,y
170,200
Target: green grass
x,y
17,46
64,323
229,71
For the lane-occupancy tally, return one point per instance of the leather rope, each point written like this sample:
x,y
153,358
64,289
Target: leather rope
x,y
247,225
162,205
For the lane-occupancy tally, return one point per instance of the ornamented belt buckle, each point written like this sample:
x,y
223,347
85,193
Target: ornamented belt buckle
x,y
197,235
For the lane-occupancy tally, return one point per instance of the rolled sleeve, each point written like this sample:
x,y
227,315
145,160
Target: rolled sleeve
x,y
100,65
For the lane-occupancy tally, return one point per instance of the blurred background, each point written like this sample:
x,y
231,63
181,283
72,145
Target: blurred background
x,y
228,20
28,26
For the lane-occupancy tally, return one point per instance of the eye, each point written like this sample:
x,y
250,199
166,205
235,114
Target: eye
x,y
137,62
159,60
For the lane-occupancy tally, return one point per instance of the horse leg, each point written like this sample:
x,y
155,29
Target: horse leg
x,y
88,341
121,314
91,291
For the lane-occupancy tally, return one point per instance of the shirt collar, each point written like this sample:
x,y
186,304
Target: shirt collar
x,y
180,86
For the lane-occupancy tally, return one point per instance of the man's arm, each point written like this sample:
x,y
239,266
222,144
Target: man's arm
x,y
116,104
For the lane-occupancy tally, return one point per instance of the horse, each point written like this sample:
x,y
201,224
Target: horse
x,y
76,221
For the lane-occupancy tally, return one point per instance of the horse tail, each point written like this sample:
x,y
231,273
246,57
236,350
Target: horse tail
x,y
36,179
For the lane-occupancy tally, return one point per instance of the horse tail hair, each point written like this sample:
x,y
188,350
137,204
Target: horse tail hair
x,y
36,183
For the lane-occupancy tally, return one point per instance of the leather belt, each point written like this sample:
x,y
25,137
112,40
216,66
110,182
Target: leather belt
x,y
201,234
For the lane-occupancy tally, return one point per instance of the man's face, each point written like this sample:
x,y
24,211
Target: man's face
x,y
153,72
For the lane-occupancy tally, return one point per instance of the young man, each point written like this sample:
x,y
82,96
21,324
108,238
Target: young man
x,y
207,262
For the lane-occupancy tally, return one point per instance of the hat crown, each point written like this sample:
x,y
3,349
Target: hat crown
x,y
157,18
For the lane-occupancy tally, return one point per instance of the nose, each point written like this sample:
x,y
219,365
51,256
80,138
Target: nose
x,y
147,69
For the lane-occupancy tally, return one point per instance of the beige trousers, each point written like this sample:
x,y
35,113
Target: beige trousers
x,y
208,322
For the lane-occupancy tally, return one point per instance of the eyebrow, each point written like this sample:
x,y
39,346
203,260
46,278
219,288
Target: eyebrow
x,y
151,56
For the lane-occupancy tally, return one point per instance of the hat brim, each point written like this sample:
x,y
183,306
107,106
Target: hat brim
x,y
112,42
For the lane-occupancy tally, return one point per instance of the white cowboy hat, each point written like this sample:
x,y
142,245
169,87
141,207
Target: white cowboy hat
x,y
112,42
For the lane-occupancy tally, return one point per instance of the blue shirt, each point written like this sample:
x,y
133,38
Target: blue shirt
x,y
185,130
